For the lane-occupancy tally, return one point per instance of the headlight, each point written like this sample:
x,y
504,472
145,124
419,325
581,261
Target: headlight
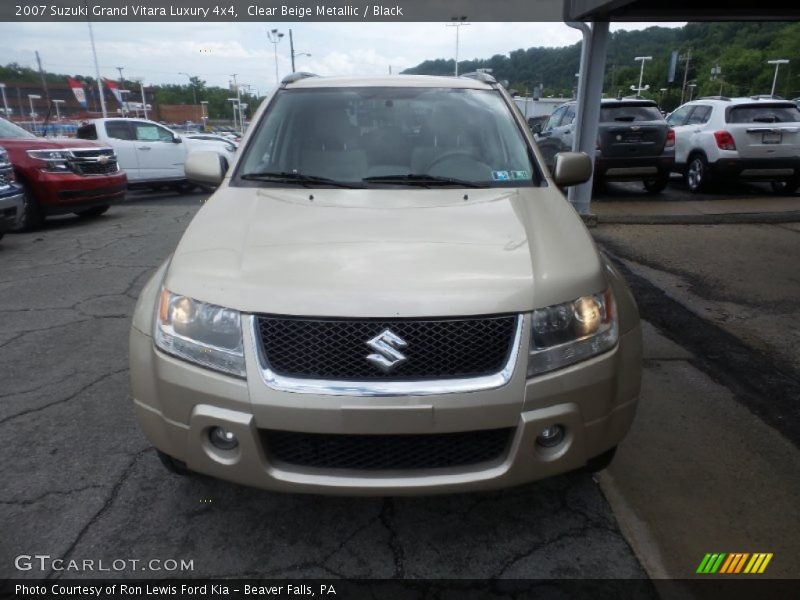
x,y
55,160
567,333
205,334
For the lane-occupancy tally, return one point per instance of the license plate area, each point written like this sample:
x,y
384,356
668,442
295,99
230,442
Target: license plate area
x,y
771,137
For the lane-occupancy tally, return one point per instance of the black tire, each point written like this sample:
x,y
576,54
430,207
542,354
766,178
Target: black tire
x,y
173,465
184,187
785,188
598,463
697,175
1,235
656,186
32,215
95,211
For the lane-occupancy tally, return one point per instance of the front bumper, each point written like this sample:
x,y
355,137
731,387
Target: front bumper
x,y
176,404
60,193
10,210
633,168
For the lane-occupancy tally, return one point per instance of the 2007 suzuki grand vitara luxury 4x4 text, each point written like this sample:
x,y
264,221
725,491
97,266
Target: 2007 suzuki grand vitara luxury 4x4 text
x,y
388,294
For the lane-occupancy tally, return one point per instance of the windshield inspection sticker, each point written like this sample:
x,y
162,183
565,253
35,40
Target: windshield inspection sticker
x,y
508,175
520,175
500,175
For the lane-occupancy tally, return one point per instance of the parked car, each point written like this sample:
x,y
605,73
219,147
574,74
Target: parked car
x,y
537,123
11,198
634,142
60,176
151,154
724,139
372,305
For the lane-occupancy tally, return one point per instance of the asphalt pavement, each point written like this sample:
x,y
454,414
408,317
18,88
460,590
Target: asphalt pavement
x,y
81,482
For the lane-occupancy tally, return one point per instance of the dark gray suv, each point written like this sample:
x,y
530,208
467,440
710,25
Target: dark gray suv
x,y
634,142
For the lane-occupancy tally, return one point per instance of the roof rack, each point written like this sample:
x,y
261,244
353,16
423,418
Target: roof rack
x,y
723,98
292,77
480,76
767,97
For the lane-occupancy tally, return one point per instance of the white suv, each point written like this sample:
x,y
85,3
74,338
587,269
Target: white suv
x,y
723,138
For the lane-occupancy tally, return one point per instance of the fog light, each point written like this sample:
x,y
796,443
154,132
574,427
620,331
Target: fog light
x,y
550,436
222,438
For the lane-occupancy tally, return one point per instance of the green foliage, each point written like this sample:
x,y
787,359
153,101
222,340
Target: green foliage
x,y
741,50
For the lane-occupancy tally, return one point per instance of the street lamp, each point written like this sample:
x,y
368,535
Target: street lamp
x,y
5,102
777,62
458,24
58,112
644,59
204,109
691,87
234,102
275,36
140,81
31,98
661,96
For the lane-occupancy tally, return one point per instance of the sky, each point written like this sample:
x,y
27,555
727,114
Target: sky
x,y
159,52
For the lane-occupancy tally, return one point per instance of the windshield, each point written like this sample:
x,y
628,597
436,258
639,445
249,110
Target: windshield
x,y
9,130
630,113
764,113
401,136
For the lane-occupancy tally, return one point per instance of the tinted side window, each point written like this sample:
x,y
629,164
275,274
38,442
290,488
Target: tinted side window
x,y
569,117
700,114
119,130
87,132
679,116
555,118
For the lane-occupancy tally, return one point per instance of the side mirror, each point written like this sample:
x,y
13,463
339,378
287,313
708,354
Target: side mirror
x,y
177,140
535,125
572,168
205,167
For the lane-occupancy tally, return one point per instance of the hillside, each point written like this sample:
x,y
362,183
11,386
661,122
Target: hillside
x,y
740,49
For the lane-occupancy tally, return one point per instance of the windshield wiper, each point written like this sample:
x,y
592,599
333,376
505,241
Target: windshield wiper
x,y
423,180
299,178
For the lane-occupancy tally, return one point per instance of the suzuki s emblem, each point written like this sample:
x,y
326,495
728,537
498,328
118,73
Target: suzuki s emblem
x,y
387,354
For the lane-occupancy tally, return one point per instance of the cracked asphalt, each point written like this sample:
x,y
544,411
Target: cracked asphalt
x,y
81,482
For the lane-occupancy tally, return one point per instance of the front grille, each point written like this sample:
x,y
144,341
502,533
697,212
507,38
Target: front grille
x,y
338,350
5,177
93,161
386,452
95,168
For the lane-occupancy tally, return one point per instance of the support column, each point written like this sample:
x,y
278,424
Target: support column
x,y
590,92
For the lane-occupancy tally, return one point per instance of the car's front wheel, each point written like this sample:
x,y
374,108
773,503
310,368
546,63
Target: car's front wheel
x,y
697,175
95,211
173,465
32,215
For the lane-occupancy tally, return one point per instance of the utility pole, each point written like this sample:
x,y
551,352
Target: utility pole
x,y
685,73
458,24
97,72
238,103
291,48
44,81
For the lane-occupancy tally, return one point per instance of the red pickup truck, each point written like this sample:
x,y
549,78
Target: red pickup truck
x,y
61,176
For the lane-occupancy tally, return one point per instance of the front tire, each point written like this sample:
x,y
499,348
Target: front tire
x,y
173,465
95,211
697,175
32,214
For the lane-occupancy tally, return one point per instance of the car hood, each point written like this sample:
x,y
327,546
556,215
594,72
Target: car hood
x,y
385,253
44,143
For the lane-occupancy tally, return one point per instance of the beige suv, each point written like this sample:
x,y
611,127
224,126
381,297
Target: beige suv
x,y
388,294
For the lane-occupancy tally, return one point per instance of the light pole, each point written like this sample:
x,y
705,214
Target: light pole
x,y
661,96
204,109
777,62
5,102
97,72
275,36
58,112
234,102
691,87
458,24
31,98
644,59
140,81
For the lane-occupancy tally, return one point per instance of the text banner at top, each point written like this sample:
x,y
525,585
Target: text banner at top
x,y
264,10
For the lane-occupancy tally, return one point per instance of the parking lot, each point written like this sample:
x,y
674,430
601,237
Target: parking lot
x,y
713,445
